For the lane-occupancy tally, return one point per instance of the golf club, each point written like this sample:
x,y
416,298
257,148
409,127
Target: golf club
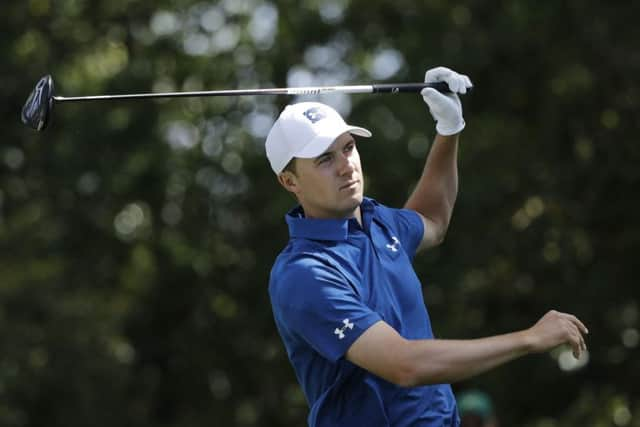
x,y
38,107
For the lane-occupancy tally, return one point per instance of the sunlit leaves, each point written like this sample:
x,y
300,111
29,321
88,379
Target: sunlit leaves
x,y
136,238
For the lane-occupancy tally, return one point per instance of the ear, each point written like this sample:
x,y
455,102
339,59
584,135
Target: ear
x,y
289,181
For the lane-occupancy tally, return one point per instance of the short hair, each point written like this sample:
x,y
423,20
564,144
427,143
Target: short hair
x,y
291,166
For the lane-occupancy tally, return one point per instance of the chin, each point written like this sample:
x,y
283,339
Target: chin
x,y
353,202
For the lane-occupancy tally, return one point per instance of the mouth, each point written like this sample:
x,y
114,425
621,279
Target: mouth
x,y
350,185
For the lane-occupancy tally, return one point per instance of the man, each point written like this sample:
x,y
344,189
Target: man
x,y
346,300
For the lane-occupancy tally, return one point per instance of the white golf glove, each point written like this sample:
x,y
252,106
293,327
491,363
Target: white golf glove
x,y
446,109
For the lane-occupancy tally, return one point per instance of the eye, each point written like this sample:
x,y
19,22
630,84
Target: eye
x,y
324,159
349,147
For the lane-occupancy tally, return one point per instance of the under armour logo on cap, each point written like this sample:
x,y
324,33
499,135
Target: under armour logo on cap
x,y
340,331
314,114
305,130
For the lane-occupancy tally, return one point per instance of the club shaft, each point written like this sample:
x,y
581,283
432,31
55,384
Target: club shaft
x,y
309,90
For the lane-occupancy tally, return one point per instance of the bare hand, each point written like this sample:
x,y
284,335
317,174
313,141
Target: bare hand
x,y
556,328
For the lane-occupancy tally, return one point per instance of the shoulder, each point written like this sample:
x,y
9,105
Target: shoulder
x,y
405,224
296,277
395,217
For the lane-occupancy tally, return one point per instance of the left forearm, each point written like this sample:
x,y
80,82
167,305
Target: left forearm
x,y
436,191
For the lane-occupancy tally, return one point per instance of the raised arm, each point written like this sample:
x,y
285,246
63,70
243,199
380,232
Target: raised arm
x,y
382,351
437,189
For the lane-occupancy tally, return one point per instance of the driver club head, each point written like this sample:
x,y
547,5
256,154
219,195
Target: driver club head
x,y
37,109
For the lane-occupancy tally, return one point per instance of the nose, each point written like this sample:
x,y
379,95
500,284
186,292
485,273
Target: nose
x,y
345,164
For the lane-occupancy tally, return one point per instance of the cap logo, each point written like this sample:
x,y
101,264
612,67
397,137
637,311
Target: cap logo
x,y
314,114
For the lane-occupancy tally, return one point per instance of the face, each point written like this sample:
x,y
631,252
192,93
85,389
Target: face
x,y
330,185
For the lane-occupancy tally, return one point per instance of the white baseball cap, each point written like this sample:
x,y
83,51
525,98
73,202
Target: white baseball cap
x,y
305,130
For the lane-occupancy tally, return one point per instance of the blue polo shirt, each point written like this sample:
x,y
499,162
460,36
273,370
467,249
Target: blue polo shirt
x,y
332,282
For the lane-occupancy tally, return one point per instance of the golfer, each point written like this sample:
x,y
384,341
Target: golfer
x,y
346,300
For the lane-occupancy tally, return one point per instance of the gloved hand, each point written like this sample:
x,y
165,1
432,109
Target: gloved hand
x,y
446,109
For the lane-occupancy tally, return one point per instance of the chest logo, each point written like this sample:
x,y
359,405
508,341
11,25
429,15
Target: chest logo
x,y
394,246
340,331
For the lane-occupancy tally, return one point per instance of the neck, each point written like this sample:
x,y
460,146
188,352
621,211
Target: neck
x,y
358,215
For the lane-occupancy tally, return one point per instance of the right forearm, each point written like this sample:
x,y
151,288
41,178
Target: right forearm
x,y
384,352
446,361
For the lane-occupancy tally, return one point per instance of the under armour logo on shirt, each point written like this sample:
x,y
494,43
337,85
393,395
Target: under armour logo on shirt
x,y
314,114
340,331
394,246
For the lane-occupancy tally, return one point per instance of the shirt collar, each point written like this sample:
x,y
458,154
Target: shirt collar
x,y
336,229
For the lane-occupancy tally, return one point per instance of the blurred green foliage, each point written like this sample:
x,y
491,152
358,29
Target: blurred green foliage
x,y
136,238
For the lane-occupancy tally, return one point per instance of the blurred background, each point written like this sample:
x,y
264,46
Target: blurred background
x,y
136,237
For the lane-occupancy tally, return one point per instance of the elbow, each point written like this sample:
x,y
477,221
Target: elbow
x,y
406,376
435,229
410,376
406,372
440,232
412,371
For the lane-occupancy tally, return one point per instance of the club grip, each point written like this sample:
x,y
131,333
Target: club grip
x,y
409,87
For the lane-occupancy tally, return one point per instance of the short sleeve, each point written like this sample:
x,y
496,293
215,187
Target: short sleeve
x,y
409,226
313,302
